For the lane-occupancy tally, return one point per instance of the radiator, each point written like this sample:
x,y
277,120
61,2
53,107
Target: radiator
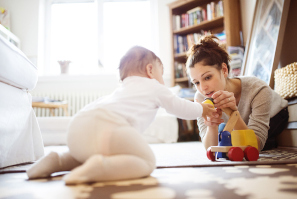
x,y
75,100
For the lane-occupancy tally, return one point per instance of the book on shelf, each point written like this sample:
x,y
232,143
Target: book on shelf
x,y
236,53
194,16
180,44
180,70
208,11
219,9
221,36
213,10
183,43
197,15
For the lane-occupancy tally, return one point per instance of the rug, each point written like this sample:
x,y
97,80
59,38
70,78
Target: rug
x,y
189,154
236,182
193,154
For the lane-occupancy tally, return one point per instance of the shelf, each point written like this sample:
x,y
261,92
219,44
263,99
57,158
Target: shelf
x,y
219,21
182,79
179,7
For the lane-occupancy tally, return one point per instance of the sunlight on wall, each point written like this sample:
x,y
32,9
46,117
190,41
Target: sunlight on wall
x,y
125,24
74,34
73,37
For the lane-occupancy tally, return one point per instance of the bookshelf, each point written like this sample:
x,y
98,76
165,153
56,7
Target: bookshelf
x,y
189,19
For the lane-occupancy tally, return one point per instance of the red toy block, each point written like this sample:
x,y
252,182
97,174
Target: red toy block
x,y
235,154
251,153
210,155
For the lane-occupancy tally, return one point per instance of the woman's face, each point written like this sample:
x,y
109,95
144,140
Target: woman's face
x,y
208,79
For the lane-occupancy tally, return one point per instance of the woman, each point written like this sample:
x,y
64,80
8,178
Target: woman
x,y
261,108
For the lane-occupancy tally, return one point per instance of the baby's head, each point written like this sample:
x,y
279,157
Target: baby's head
x,y
139,61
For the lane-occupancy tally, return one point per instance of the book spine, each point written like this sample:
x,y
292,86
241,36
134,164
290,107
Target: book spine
x,y
204,14
213,12
208,11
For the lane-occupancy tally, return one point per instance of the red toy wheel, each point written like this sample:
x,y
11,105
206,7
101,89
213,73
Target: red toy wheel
x,y
251,153
210,155
235,154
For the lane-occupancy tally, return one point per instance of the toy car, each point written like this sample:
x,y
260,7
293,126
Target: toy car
x,y
235,145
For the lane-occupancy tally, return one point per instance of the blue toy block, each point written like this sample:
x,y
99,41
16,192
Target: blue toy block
x,y
224,140
221,127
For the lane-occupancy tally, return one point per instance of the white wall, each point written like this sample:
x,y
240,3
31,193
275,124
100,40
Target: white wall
x,y
165,47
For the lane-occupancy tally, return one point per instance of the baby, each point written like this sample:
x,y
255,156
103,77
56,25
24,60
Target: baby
x,y
104,137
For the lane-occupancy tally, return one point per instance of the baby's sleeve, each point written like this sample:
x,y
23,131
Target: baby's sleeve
x,y
200,120
182,108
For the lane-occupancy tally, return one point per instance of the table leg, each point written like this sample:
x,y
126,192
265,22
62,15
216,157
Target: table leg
x,y
65,111
52,111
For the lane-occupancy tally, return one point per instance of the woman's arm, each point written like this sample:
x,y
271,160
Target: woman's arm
x,y
210,137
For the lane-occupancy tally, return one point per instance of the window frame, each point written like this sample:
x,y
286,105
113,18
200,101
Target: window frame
x,y
45,62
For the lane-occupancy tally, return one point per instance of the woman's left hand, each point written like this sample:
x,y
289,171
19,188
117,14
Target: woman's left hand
x,y
223,99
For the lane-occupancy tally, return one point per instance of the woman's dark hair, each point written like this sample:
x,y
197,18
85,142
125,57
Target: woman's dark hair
x,y
208,52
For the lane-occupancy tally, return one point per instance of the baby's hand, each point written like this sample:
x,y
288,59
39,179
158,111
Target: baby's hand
x,y
211,118
214,121
209,111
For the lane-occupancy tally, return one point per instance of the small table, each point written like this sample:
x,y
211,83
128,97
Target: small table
x,y
51,106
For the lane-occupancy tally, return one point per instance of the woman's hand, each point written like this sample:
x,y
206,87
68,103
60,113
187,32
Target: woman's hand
x,y
215,121
223,99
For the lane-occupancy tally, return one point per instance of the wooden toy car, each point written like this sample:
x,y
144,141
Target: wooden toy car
x,y
235,145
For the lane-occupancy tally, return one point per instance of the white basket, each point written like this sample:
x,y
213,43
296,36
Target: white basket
x,y
286,81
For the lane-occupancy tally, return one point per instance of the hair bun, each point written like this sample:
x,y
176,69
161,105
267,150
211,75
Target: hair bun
x,y
209,41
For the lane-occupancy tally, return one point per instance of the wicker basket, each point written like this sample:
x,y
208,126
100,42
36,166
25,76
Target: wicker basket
x,y
286,81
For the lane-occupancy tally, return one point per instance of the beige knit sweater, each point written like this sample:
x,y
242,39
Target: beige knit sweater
x,y
258,103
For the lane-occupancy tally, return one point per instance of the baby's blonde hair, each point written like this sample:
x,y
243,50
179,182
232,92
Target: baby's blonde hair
x,y
136,60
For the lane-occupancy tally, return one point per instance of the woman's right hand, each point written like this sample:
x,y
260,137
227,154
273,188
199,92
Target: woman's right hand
x,y
224,99
215,121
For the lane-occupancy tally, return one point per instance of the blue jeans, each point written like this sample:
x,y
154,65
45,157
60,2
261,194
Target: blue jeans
x,y
277,124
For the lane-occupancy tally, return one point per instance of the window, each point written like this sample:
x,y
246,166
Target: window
x,y
94,35
125,24
73,37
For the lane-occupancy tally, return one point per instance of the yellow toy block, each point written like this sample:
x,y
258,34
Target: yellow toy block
x,y
244,138
208,101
